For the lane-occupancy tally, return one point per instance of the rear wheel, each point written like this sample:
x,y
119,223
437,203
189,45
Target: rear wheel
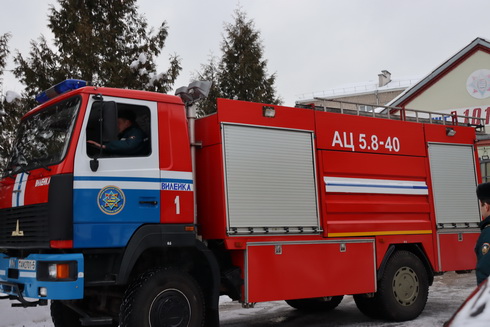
x,y
402,290
163,298
316,304
367,305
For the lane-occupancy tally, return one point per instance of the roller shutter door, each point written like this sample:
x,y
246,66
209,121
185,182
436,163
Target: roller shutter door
x,y
454,183
270,180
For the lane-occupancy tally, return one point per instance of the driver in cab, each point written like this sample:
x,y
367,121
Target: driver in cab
x,y
131,139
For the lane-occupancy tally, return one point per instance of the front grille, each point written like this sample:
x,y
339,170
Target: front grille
x,y
33,224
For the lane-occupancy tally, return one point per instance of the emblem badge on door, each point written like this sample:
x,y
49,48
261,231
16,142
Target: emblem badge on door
x,y
111,200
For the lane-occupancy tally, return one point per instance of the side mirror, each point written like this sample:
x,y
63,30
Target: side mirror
x,y
94,164
107,121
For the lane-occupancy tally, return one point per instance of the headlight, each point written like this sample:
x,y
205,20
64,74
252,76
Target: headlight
x,y
57,271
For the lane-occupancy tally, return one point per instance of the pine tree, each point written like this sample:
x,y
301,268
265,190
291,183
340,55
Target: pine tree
x,y
209,73
242,72
11,107
4,52
105,42
40,71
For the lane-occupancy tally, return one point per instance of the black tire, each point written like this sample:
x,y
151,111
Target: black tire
x,y
63,316
367,305
163,298
316,304
402,290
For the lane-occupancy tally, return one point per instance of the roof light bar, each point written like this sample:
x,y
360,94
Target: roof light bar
x,y
60,88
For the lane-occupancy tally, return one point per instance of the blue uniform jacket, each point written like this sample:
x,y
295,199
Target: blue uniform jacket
x,y
132,141
482,250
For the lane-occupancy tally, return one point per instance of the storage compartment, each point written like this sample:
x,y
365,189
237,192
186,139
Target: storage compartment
x,y
456,250
295,270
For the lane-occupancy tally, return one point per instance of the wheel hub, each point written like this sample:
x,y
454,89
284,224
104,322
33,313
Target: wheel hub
x,y
170,308
405,286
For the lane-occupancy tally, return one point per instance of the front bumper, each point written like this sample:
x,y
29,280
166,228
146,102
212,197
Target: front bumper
x,y
22,278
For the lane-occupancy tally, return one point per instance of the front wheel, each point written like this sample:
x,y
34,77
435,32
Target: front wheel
x,y
163,298
64,316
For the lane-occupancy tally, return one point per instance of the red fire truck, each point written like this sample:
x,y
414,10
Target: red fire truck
x,y
258,202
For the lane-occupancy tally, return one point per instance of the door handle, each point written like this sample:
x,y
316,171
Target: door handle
x,y
151,203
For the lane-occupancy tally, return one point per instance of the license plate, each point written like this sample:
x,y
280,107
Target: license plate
x,y
27,265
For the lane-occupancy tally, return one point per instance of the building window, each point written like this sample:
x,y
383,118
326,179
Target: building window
x,y
365,108
485,168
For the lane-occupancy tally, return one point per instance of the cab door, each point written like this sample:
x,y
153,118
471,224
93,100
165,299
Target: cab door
x,y
117,193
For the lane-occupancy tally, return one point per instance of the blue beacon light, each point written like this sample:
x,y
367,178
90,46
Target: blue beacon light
x,y
60,88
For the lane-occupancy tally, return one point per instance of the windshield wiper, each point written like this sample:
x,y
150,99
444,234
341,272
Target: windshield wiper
x,y
8,172
40,163
22,168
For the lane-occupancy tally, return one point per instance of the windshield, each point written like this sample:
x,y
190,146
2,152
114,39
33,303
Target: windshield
x,y
43,137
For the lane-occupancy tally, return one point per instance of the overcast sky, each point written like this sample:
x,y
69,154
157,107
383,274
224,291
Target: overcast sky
x,y
311,45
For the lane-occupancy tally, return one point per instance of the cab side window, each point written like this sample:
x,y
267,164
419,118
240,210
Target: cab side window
x,y
133,127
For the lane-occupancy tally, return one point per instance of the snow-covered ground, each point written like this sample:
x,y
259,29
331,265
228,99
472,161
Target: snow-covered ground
x,y
446,295
21,317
